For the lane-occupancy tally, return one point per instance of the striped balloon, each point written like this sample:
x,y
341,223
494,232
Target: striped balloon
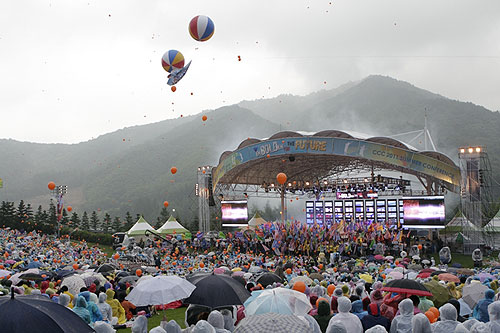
x,y
201,28
172,59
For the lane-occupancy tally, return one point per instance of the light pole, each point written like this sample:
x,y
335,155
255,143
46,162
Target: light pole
x,y
57,193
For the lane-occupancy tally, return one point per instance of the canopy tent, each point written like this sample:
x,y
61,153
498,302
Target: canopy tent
x,y
494,224
458,224
172,227
138,231
256,220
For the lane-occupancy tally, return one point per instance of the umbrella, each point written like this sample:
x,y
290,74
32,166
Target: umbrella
x,y
10,262
34,264
74,284
473,292
143,278
366,277
122,274
483,276
90,277
4,273
407,286
217,291
160,290
44,316
105,268
302,278
64,273
316,276
440,294
424,275
15,278
272,322
395,275
255,269
279,300
132,279
379,257
31,276
437,273
465,271
268,278
448,277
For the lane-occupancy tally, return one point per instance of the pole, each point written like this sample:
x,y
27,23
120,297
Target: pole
x,y
282,196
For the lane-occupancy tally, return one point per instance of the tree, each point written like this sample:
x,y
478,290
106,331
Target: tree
x,y
117,224
8,214
65,218
85,221
106,223
51,225
129,222
164,216
94,221
75,221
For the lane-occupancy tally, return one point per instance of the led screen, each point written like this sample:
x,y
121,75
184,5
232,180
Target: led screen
x,y
234,212
424,212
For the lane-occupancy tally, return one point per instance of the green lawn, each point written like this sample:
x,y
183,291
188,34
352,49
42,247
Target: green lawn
x,y
175,314
108,249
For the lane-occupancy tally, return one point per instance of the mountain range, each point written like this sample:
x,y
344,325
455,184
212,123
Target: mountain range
x,y
129,169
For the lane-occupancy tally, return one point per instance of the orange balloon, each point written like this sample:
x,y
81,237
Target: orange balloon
x,y
75,266
204,118
299,286
165,204
69,209
138,272
435,311
288,271
52,186
420,246
330,289
430,315
173,170
320,266
202,265
116,256
281,178
319,300
173,88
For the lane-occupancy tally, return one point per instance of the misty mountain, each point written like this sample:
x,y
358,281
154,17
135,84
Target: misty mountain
x,y
129,169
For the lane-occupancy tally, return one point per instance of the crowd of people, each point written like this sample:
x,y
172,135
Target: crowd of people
x,y
346,290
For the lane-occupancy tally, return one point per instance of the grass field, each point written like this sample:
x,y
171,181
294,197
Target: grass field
x,y
175,314
106,248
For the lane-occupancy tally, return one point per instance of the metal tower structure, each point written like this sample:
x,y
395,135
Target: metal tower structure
x,y
476,196
205,197
419,133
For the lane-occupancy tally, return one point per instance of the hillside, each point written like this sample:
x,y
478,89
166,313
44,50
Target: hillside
x,y
128,170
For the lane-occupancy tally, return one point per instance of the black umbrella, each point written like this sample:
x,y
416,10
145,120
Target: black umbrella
x,y
64,273
105,268
216,291
35,313
438,272
195,277
132,279
407,286
122,274
31,276
268,278
240,279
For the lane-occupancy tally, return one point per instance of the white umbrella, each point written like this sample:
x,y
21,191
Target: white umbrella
x,y
4,273
279,300
143,278
74,284
473,292
15,278
90,277
160,290
272,322
302,278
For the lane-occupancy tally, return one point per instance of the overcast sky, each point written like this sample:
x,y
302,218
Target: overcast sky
x,y
73,70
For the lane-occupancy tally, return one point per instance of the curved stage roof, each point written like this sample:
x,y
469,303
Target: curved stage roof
x,y
314,157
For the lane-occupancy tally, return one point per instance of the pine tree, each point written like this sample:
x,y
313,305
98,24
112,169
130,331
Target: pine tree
x,y
106,223
117,224
65,218
51,225
75,222
8,214
94,221
85,221
129,222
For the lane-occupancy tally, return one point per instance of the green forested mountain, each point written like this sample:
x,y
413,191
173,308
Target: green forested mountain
x,y
129,170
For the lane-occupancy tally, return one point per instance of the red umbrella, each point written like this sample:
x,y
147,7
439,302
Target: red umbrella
x,y
448,277
424,275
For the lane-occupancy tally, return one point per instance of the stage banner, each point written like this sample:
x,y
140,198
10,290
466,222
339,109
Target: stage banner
x,y
372,151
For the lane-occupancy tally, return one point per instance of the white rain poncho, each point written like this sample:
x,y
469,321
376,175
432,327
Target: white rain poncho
x,y
228,319
402,322
64,299
461,329
203,326
494,313
420,324
140,325
349,320
376,329
171,327
469,323
102,327
105,308
157,329
481,328
312,323
336,327
448,322
216,319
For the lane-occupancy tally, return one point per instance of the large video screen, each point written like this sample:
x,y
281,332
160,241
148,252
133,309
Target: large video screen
x,y
234,213
424,212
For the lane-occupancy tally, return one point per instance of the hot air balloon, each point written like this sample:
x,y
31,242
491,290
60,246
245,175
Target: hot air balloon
x,y
201,28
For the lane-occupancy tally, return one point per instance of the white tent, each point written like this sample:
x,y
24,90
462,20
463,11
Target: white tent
x,y
256,220
459,223
494,224
172,226
138,231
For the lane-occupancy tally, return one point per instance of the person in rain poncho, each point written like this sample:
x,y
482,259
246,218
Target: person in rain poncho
x,y
171,326
402,322
64,300
95,313
116,307
350,321
336,327
357,309
420,324
81,309
374,318
376,329
477,257
203,326
494,312
480,328
140,325
228,319
454,292
324,315
102,327
448,322
456,304
425,304
157,329
481,308
216,319
106,311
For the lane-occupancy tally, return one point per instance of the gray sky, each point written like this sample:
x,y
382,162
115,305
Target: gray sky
x,y
73,70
